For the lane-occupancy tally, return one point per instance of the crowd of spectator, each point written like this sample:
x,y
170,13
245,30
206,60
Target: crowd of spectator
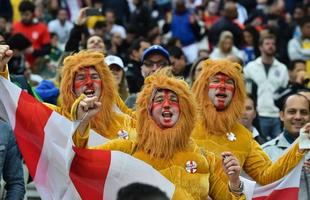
x,y
269,38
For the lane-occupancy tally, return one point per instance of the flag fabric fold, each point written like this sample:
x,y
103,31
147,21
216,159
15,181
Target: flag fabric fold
x,y
285,188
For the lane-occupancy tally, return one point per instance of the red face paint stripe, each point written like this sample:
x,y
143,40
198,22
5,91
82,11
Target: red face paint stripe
x,y
88,81
166,102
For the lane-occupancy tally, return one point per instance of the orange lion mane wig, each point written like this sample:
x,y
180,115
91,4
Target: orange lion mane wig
x,y
163,143
72,64
219,122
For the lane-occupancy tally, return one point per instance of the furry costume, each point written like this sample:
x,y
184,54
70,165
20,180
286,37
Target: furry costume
x,y
213,126
168,150
108,122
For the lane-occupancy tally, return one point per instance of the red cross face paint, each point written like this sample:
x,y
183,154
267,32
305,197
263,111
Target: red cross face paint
x,y
87,81
221,90
165,109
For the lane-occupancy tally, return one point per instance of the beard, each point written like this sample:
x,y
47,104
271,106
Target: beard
x,y
162,143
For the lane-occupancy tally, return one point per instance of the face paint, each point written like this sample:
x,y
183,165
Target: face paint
x,y
221,89
165,108
87,81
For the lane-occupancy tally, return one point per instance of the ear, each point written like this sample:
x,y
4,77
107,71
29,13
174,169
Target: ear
x,y
282,116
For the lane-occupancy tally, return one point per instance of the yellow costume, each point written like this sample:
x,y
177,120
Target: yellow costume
x,y
219,131
169,150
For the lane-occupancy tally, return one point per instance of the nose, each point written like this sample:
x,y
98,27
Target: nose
x,y
88,81
297,116
166,104
221,85
155,67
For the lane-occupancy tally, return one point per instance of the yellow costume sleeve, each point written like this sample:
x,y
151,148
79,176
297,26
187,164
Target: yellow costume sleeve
x,y
122,106
259,166
5,73
54,108
126,146
218,189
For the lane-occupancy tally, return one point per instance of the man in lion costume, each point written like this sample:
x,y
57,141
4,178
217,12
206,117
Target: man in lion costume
x,y
220,94
86,74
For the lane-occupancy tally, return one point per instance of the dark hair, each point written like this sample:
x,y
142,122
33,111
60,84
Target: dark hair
x,y
304,20
19,42
26,6
100,24
295,94
172,42
62,8
176,52
193,69
255,122
300,6
139,191
136,44
291,66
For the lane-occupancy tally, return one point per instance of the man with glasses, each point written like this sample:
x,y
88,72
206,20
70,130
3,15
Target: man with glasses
x,y
153,59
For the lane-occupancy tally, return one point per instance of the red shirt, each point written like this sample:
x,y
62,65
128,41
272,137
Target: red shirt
x,y
37,33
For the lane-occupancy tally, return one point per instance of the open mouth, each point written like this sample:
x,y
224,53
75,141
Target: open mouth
x,y
221,95
89,93
166,114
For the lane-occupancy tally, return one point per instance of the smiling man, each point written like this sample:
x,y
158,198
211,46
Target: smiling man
x,y
294,115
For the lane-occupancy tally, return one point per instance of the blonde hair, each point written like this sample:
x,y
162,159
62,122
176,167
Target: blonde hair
x,y
225,35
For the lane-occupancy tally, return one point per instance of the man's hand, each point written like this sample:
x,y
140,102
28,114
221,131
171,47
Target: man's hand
x,y
87,108
304,138
5,55
82,18
232,168
307,166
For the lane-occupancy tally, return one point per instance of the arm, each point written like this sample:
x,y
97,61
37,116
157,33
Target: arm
x,y
76,32
295,51
83,109
259,166
5,55
218,189
123,107
13,170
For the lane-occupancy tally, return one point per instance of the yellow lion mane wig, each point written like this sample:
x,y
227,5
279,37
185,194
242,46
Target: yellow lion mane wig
x,y
219,122
163,143
72,64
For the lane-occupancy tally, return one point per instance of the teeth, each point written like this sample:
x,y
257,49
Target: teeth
x,y
166,114
221,95
88,92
